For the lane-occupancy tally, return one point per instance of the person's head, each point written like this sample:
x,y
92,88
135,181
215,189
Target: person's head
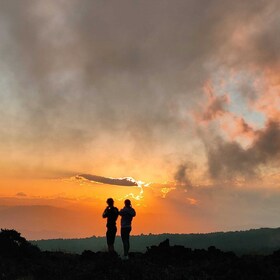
x,y
127,203
110,202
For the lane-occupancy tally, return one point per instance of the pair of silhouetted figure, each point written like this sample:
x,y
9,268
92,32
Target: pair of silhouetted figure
x,y
111,213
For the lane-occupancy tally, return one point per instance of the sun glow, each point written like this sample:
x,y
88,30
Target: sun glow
x,y
166,190
119,190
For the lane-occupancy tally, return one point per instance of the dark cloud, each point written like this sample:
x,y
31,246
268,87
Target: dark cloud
x,y
265,43
226,160
109,181
21,194
181,175
267,144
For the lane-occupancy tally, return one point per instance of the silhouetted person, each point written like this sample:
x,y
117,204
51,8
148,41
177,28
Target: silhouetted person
x,y
111,213
127,214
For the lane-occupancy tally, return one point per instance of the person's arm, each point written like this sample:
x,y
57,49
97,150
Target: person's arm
x,y
121,212
133,213
105,213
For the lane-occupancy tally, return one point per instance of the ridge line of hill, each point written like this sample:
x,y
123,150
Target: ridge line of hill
x,y
253,241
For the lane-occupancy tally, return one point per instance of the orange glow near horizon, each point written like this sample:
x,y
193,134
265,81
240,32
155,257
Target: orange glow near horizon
x,y
87,200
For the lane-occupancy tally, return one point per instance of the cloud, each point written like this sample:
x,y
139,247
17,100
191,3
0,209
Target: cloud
x,y
124,182
128,181
227,160
267,144
237,144
216,106
217,109
236,126
108,85
181,175
21,194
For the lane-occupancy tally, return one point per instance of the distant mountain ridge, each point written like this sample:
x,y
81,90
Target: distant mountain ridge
x,y
254,241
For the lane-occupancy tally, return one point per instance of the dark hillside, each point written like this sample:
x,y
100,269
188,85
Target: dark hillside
x,y
21,260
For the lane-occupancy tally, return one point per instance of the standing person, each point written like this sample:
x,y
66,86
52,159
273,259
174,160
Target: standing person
x,y
111,213
127,214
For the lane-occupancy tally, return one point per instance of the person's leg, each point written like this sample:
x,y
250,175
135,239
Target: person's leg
x,y
125,239
111,235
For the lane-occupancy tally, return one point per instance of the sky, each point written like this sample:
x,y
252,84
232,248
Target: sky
x,y
173,104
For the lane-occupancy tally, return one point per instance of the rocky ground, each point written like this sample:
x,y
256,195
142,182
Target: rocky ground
x,y
21,260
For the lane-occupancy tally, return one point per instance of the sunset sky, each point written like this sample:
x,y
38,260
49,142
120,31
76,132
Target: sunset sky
x,y
173,104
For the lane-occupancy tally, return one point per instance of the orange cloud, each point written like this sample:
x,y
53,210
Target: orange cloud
x,y
192,201
215,106
269,101
236,127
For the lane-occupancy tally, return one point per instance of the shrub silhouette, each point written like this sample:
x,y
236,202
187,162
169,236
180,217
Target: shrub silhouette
x,y
12,244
